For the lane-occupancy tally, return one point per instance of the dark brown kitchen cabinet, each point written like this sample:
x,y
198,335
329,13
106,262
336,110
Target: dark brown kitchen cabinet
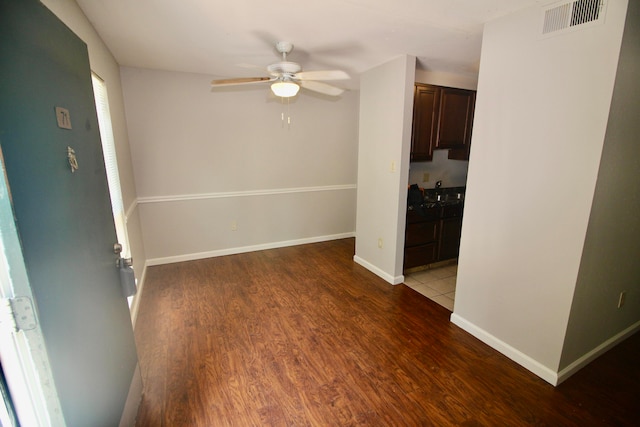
x,y
455,118
433,235
459,153
449,244
420,255
426,107
421,238
442,119
449,233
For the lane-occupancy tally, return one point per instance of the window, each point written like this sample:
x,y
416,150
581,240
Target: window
x,y
111,164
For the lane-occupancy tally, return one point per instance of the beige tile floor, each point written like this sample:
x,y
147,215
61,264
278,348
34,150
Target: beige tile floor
x,y
437,284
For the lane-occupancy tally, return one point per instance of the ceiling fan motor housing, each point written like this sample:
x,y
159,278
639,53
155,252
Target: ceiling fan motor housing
x,y
283,67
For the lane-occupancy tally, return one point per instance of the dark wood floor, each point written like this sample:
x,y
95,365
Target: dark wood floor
x,y
303,336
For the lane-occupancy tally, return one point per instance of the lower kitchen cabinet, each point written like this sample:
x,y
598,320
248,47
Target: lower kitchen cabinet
x,y
421,242
433,235
449,243
420,255
421,233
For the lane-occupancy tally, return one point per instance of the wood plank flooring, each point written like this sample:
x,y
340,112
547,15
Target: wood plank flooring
x,y
303,336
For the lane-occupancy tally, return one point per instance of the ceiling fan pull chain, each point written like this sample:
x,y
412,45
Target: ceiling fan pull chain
x,y
288,115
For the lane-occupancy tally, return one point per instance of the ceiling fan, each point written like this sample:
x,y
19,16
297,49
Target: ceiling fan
x,y
287,77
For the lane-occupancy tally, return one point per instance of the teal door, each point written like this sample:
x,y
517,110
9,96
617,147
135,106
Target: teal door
x,y
64,218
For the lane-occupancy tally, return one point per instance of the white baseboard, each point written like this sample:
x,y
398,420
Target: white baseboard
x,y
549,375
244,249
596,352
394,280
135,303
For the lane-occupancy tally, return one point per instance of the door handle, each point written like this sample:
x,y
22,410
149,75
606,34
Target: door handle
x,y
127,277
124,262
125,269
127,262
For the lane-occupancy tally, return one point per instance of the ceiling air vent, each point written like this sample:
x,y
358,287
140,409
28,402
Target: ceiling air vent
x,y
567,16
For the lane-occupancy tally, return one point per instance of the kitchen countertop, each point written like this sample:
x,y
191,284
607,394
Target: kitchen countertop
x,y
436,204
438,197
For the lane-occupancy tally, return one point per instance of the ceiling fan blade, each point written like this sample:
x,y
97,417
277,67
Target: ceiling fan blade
x,y
240,81
249,66
321,87
322,75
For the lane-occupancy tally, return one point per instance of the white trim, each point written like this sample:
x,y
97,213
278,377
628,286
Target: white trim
x,y
549,375
596,352
378,272
248,193
135,303
130,209
24,356
244,249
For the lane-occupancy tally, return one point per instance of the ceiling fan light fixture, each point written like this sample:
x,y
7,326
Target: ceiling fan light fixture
x,y
285,89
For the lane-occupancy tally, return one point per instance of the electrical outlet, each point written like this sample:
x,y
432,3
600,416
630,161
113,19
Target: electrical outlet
x,y
425,177
622,298
234,225
380,242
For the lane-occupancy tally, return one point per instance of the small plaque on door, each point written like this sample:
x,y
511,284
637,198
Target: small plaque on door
x,y
64,118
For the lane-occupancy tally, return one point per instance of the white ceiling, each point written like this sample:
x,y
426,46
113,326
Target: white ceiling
x,y
236,38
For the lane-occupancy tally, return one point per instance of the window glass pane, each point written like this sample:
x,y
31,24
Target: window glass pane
x,y
111,164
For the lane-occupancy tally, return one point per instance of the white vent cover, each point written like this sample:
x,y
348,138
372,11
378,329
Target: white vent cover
x,y
569,15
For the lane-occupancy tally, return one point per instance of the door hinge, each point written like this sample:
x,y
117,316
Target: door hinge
x,y
17,314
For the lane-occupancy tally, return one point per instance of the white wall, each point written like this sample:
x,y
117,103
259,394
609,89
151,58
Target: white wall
x,y
104,65
386,106
206,160
610,257
440,78
541,115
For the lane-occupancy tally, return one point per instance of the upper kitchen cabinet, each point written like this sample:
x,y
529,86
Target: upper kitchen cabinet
x,y
442,119
456,118
426,107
